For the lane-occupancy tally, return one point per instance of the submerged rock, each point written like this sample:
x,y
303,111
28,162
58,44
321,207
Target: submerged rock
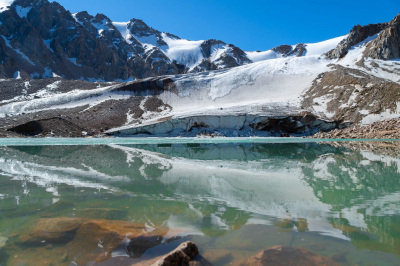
x,y
52,230
102,213
92,240
281,255
3,241
97,239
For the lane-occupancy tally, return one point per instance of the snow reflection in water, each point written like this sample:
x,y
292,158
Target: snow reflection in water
x,y
322,192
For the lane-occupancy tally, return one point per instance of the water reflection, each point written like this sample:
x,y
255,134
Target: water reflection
x,y
345,191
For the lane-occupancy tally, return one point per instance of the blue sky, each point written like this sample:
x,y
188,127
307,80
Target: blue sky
x,y
251,24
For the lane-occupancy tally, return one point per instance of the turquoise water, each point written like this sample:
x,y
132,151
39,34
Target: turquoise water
x,y
232,197
155,140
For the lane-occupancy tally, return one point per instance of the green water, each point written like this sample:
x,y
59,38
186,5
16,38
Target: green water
x,y
232,198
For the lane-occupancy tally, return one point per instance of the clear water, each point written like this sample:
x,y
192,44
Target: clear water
x,y
232,198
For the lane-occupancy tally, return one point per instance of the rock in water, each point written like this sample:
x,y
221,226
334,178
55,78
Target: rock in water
x,y
96,239
180,256
281,256
53,230
187,254
3,241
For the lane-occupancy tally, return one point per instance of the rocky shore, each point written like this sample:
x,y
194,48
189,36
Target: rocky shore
x,y
81,241
388,129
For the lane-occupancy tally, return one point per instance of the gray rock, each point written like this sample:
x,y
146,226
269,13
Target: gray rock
x,y
356,35
3,241
387,45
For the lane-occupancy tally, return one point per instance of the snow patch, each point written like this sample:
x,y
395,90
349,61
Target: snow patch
x,y
8,43
73,61
313,49
183,51
47,43
122,27
387,114
48,73
5,5
261,56
323,47
17,75
23,11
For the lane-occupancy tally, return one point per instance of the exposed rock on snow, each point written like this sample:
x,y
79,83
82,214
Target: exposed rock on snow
x,y
302,49
388,129
356,35
387,45
351,95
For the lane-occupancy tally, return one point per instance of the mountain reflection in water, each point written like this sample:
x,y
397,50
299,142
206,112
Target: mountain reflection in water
x,y
347,192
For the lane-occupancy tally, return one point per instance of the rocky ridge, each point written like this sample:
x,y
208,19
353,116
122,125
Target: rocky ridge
x,y
40,39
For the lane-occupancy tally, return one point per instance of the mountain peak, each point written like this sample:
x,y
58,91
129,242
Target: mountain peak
x,y
140,29
26,3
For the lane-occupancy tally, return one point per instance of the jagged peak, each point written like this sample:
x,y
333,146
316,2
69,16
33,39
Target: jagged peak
x,y
282,49
139,28
26,3
171,35
82,15
396,19
102,17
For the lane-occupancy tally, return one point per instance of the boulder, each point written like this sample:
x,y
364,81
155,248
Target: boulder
x,y
52,230
187,254
281,256
92,240
180,256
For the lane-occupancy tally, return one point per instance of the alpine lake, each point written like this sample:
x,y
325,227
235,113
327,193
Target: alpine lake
x,y
126,201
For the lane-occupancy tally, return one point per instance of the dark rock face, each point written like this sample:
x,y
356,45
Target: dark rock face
x,y
283,49
305,123
56,126
299,50
357,35
287,50
48,42
386,46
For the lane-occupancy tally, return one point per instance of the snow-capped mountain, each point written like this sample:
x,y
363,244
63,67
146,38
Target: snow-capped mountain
x,y
40,39
288,90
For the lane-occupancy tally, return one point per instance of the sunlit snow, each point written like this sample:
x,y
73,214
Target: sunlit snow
x,y
4,4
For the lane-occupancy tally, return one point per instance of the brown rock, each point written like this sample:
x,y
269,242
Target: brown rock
x,y
96,239
281,255
187,254
54,230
